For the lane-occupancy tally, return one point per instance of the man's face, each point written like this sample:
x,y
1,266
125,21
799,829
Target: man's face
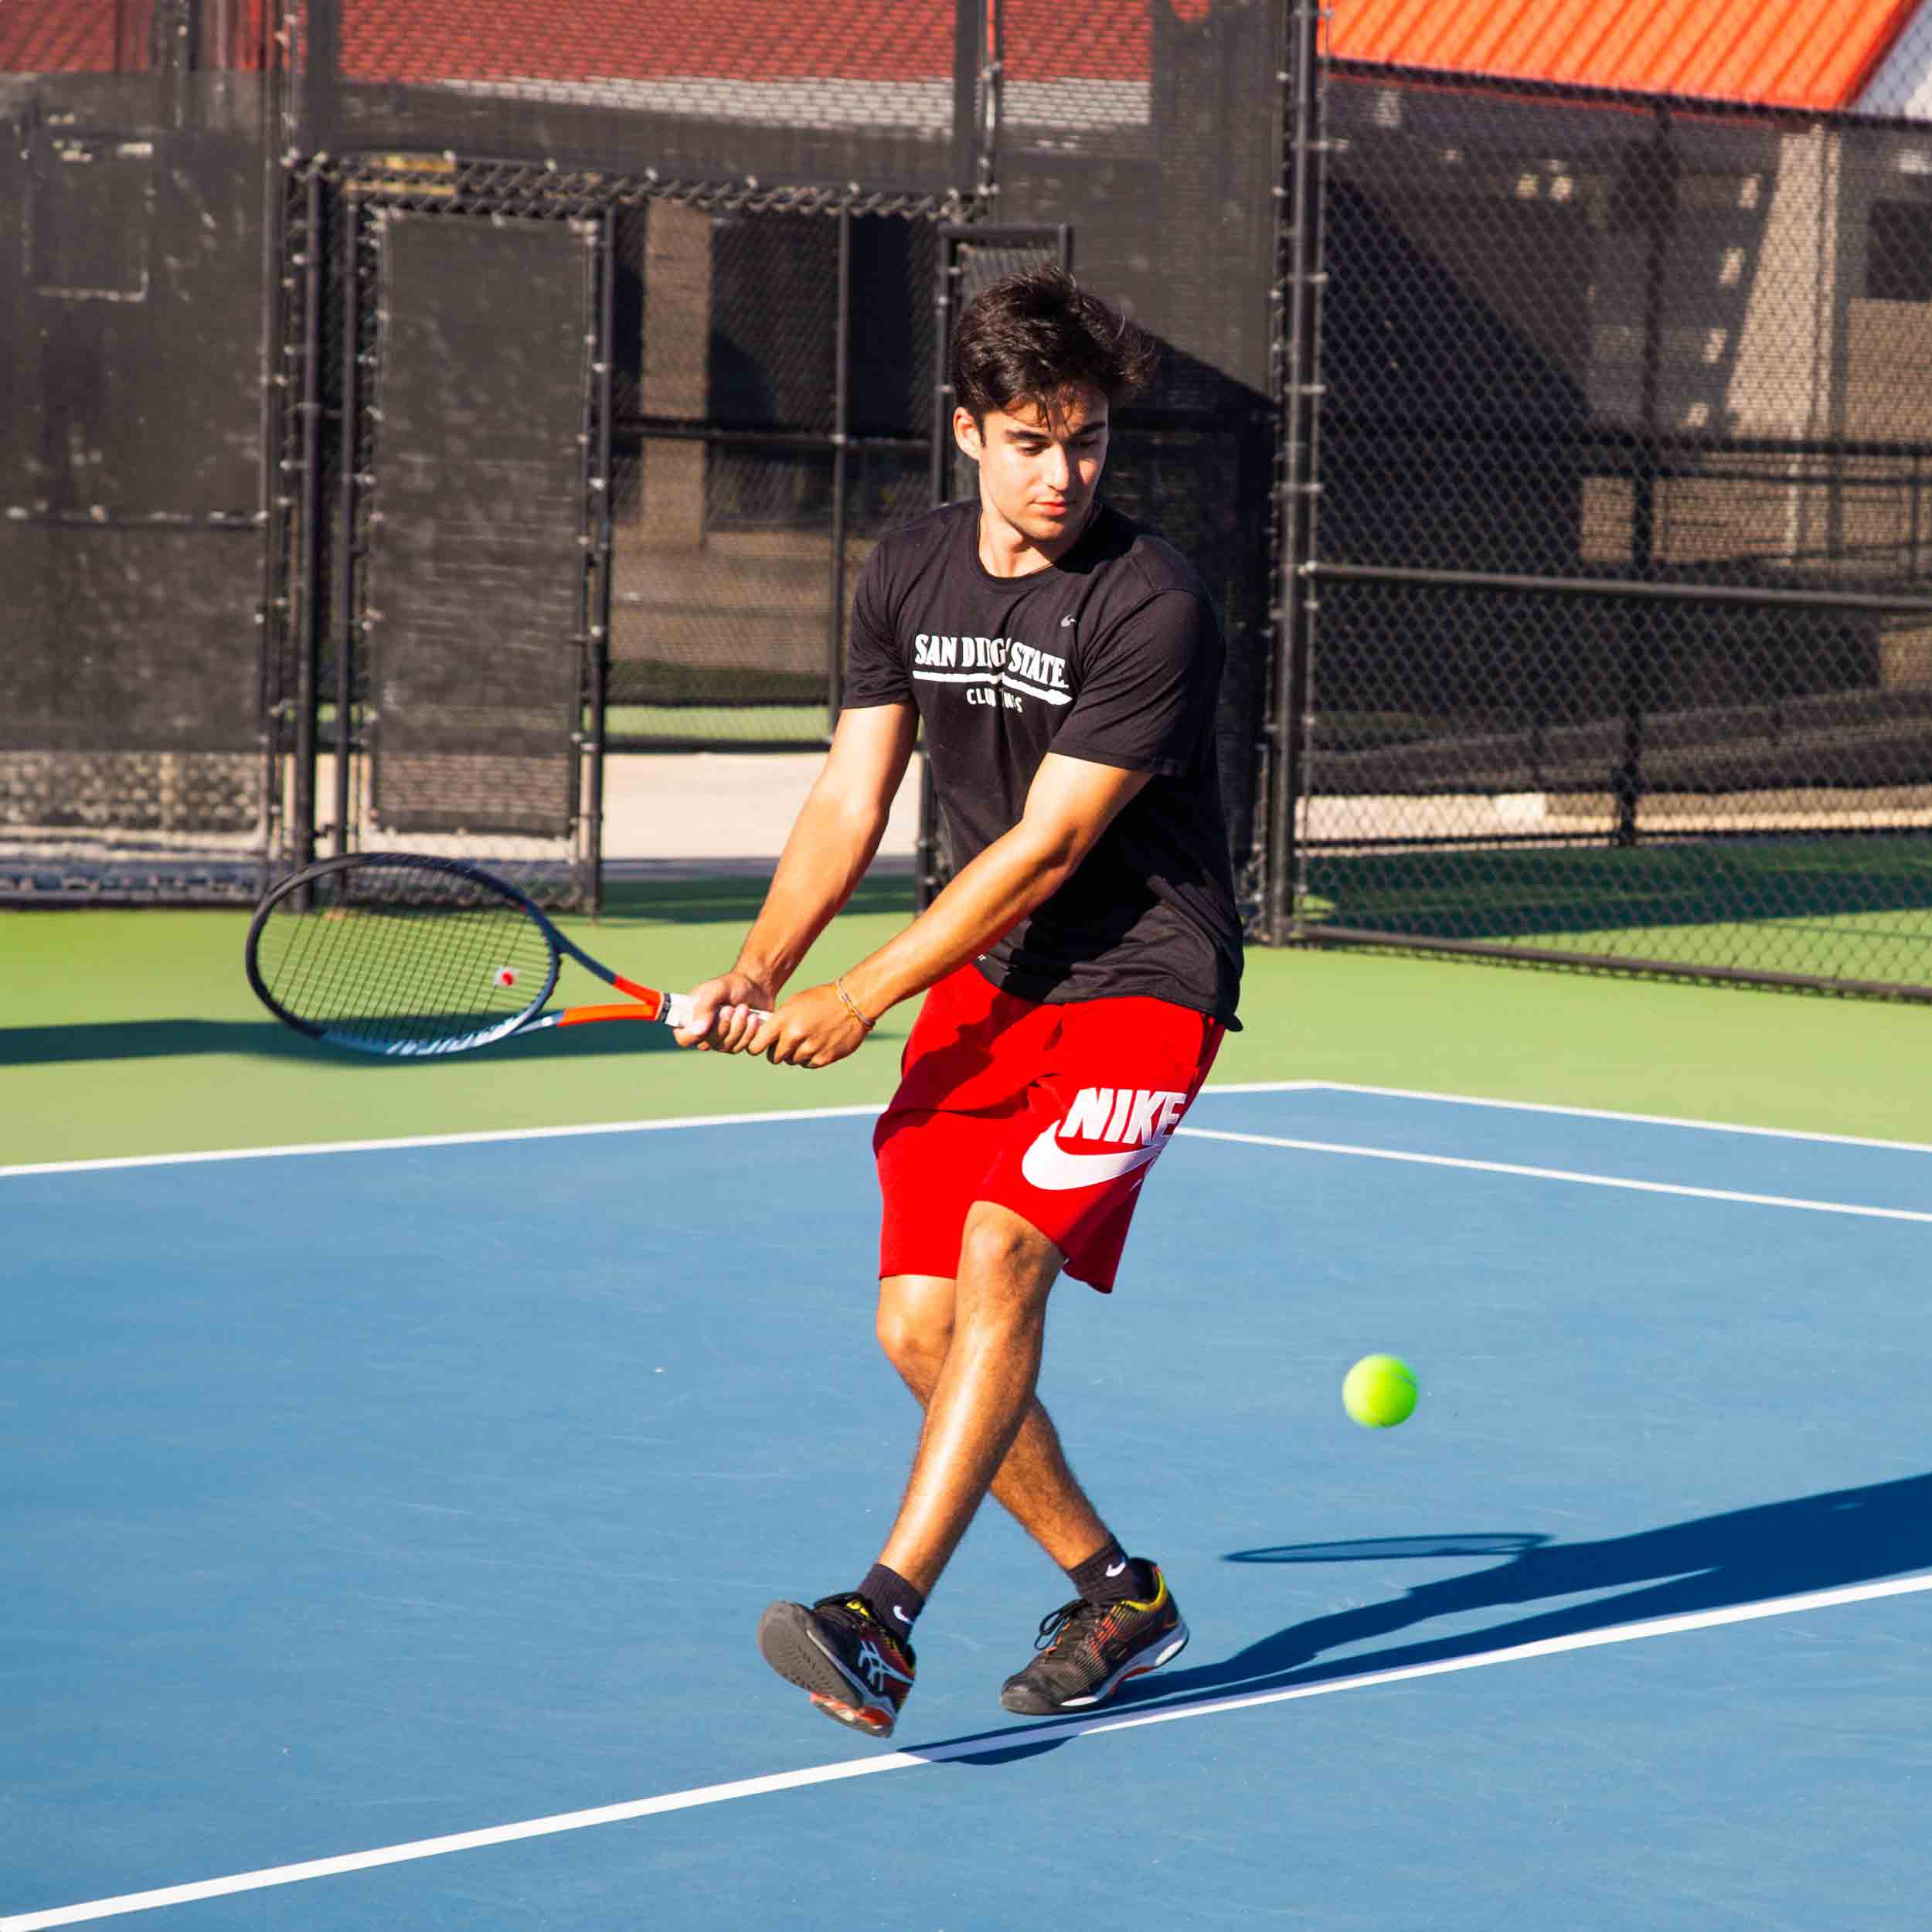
x,y
1039,469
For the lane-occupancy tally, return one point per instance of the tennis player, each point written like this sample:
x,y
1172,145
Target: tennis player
x,y
1080,971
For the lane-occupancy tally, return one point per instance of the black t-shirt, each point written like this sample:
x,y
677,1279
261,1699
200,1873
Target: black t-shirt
x,y
1112,655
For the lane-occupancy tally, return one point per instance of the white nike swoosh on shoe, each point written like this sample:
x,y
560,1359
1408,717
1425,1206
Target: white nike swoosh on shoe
x,y
1049,1165
1115,1569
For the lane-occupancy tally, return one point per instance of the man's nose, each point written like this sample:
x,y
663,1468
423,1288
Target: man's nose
x,y
1058,469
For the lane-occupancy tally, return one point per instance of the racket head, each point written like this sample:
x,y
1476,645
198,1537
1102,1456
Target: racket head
x,y
401,955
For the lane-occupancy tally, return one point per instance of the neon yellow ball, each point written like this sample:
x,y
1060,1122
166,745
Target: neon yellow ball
x,y
1379,1391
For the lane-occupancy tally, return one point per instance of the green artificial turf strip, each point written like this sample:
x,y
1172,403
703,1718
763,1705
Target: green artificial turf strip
x,y
134,1033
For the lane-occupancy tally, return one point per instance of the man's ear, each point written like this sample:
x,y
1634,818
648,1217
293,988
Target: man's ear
x,y
966,434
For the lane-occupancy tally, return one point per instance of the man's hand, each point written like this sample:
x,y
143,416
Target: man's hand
x,y
721,1014
812,1028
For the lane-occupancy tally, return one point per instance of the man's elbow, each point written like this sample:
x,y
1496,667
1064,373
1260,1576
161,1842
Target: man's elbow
x,y
1055,849
855,811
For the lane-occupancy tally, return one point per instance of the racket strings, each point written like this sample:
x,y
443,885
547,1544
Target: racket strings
x,y
395,956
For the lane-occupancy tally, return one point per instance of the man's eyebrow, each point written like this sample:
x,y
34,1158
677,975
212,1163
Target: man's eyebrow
x,y
1022,433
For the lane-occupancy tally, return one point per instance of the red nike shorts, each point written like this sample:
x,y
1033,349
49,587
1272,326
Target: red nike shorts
x,y
1055,1112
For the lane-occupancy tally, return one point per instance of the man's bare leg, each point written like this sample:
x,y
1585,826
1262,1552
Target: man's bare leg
x,y
1034,1484
984,1429
980,1402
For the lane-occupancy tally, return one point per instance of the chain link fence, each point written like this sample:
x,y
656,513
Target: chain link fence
x,y
421,403
766,194
870,92
1616,643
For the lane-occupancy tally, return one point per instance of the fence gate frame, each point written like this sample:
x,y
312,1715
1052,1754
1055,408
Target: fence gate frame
x,y
317,543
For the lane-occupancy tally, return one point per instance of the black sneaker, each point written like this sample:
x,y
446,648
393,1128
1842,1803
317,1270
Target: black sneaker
x,y
1088,1651
857,1671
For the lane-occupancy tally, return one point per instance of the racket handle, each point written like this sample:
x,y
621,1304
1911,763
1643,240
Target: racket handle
x,y
677,1011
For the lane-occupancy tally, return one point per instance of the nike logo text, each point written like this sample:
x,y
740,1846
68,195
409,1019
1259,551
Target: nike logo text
x,y
1140,1120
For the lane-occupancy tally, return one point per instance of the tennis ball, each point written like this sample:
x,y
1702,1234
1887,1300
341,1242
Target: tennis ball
x,y
1379,1391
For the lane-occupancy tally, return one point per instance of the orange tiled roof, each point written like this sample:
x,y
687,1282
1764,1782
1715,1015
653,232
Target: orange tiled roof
x,y
1809,53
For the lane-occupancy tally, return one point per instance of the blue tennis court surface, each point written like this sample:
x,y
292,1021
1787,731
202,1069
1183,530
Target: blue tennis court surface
x,y
359,1501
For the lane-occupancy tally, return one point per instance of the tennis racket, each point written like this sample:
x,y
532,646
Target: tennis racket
x,y
401,954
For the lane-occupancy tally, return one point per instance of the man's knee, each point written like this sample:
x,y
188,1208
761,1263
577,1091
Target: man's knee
x,y
915,1328
1006,1265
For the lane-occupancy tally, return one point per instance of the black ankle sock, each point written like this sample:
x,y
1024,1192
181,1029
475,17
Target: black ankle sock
x,y
1110,1574
896,1600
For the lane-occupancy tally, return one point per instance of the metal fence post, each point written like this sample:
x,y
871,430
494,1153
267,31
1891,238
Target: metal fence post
x,y
969,60
309,565
350,444
605,256
840,439
1661,205
1297,388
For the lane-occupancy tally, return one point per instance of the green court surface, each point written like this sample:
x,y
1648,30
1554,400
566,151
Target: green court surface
x,y
745,727
131,1032
1857,909
734,727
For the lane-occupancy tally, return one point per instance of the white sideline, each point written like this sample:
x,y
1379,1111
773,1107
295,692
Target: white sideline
x,y
835,1113
1595,1114
1557,1174
434,1140
130,1902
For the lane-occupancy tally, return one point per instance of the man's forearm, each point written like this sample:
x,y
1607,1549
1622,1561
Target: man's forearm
x,y
831,844
985,900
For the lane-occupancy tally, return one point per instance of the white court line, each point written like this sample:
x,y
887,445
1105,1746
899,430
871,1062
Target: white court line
x,y
1593,1114
429,1847
1557,1174
484,1136
437,1140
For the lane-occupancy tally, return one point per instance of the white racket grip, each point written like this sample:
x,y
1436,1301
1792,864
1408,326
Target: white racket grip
x,y
677,1011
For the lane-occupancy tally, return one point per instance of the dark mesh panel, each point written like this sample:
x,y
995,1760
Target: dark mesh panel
x,y
1155,133
476,575
133,739
129,640
1196,484
138,305
891,364
770,361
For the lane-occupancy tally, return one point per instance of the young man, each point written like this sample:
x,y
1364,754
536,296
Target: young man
x,y
1082,966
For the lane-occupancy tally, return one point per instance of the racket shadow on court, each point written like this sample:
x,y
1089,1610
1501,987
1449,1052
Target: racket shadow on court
x,y
142,1039
1840,1537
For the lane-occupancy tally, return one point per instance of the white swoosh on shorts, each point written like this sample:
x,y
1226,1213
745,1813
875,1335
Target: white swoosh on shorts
x,y
1048,1164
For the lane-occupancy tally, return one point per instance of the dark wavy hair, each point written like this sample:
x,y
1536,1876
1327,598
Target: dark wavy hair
x,y
1030,336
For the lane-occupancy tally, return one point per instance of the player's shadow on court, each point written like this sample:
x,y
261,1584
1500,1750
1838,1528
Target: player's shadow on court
x,y
1844,1536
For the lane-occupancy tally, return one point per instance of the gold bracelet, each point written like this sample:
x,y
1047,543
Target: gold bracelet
x,y
838,987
